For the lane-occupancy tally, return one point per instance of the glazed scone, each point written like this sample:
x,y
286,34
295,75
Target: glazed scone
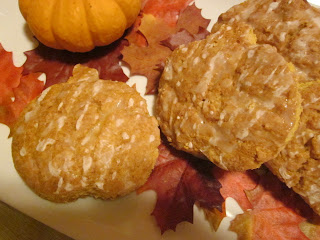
x,y
85,137
228,99
298,165
292,26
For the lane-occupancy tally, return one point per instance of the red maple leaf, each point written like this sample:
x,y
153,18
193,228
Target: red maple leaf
x,y
16,90
181,180
58,64
28,89
10,76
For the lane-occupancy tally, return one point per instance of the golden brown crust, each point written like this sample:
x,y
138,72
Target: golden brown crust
x,y
292,26
85,137
228,99
298,165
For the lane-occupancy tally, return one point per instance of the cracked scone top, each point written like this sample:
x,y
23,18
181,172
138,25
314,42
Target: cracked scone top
x,y
85,137
298,164
292,26
228,99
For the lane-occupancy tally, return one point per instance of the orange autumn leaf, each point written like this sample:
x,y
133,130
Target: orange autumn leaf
x,y
271,210
16,90
134,36
234,184
214,216
143,60
192,20
276,213
28,89
166,10
9,76
279,224
150,42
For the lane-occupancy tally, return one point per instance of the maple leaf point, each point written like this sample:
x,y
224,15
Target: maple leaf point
x,y
180,181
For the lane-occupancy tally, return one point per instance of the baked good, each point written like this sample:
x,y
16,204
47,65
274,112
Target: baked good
x,y
298,165
229,99
85,137
292,26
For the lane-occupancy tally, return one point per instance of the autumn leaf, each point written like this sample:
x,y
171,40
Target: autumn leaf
x,y
243,226
184,37
58,64
191,26
148,48
180,181
134,36
144,59
271,210
10,76
16,90
166,10
214,216
276,213
235,185
191,20
29,88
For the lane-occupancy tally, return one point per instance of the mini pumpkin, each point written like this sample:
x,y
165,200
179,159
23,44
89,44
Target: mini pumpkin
x,y
79,25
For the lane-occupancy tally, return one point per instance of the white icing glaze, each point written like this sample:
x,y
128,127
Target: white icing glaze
x,y
61,121
23,152
43,94
53,171
131,102
42,145
87,163
79,121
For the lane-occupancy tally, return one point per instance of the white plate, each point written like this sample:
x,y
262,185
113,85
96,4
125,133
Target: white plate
x,y
86,219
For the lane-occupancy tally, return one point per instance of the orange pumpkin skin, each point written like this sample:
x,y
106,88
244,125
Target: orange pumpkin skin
x,y
79,25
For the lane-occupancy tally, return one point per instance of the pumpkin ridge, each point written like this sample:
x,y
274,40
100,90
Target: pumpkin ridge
x,y
107,23
51,19
130,16
90,33
123,10
70,27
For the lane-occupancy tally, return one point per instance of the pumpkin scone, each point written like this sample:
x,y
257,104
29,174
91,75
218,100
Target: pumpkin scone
x,y
292,26
85,137
298,165
229,99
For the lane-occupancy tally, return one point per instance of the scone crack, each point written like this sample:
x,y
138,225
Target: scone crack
x,y
86,137
237,107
